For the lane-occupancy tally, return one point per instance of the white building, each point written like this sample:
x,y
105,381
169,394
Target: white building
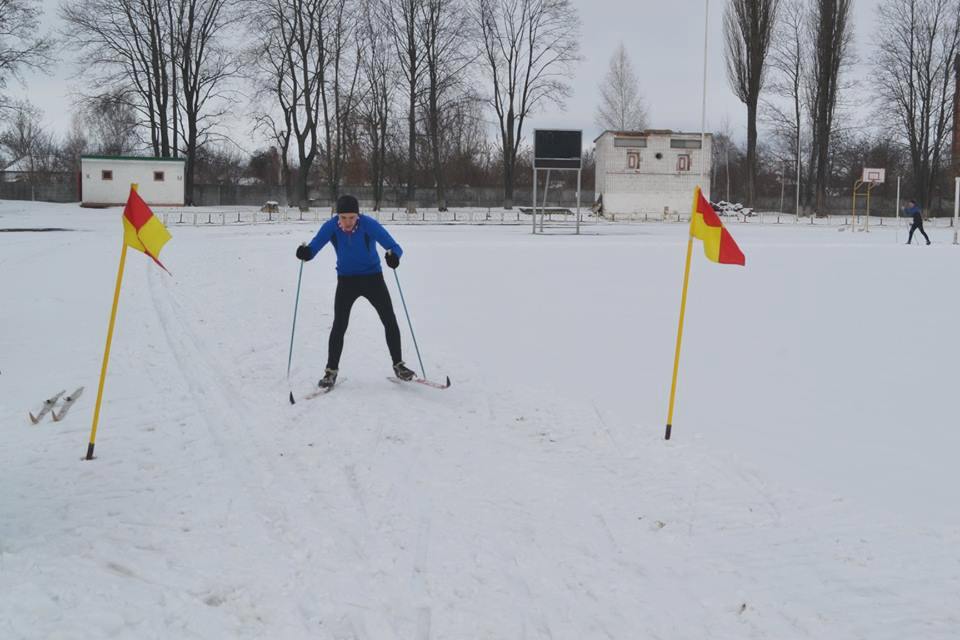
x,y
106,180
651,171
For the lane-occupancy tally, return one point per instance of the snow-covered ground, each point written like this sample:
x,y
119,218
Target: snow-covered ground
x,y
810,489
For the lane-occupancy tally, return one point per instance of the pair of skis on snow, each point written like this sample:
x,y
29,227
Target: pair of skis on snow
x,y
322,391
49,406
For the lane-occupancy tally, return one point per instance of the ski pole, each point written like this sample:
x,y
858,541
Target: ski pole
x,y
423,371
296,304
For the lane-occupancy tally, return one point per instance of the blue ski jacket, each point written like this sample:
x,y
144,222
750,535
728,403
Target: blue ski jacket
x,y
356,251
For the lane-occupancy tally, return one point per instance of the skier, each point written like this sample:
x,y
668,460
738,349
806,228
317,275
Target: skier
x,y
913,210
354,237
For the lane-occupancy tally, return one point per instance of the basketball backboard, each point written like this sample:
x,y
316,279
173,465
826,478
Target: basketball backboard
x,y
876,176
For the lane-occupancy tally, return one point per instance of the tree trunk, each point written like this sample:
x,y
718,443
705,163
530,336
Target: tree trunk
x,y
189,171
509,161
435,150
412,151
381,157
287,184
751,153
508,179
302,188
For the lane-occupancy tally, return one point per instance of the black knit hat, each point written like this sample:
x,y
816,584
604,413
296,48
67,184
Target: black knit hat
x,y
347,204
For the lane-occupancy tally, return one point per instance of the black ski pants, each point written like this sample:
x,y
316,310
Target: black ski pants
x,y
373,288
917,224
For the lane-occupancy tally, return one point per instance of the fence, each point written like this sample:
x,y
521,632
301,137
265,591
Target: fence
x,y
227,195
217,216
498,216
880,206
57,186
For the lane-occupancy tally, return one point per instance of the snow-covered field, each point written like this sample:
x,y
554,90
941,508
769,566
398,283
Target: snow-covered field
x,y
810,490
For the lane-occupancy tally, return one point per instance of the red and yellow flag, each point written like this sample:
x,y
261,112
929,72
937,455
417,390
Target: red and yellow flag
x,y
142,230
718,244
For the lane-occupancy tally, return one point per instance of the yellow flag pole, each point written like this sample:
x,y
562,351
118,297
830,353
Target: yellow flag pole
x,y
683,310
686,270
106,351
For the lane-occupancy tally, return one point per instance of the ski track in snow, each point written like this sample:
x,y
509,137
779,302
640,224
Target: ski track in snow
x,y
498,508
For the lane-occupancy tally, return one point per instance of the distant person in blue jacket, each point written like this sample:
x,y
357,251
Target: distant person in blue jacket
x,y
913,210
355,237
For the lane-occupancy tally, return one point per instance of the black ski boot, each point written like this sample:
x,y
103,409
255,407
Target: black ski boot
x,y
329,379
402,372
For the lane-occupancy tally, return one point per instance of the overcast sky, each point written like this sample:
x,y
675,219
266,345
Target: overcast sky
x,y
664,39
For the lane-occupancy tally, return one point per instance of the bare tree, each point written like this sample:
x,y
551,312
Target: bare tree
x,y
111,122
404,21
445,34
788,59
267,61
75,144
26,140
748,27
293,40
832,36
166,59
723,150
204,66
381,77
530,47
308,49
278,132
126,45
340,87
21,48
621,103
917,43
468,153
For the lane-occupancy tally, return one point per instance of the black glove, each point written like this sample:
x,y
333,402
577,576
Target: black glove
x,y
393,260
304,252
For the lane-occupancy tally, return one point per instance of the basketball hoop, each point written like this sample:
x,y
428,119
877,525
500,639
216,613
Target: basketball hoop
x,y
874,176
871,178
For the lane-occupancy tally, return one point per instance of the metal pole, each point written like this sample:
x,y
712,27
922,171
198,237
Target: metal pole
x,y
578,201
853,207
783,177
726,155
956,208
686,269
866,223
106,352
703,107
796,212
533,212
423,371
543,209
293,330
897,234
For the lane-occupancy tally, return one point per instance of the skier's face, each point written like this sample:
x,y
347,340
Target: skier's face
x,y
348,221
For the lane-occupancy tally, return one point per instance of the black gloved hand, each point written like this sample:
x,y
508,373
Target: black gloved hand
x,y
304,253
393,260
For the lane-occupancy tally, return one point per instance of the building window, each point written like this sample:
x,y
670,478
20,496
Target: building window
x,y
158,176
106,174
683,163
633,160
629,142
677,143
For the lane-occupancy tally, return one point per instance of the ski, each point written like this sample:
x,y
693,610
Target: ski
x,y
47,406
67,403
316,393
319,391
423,381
